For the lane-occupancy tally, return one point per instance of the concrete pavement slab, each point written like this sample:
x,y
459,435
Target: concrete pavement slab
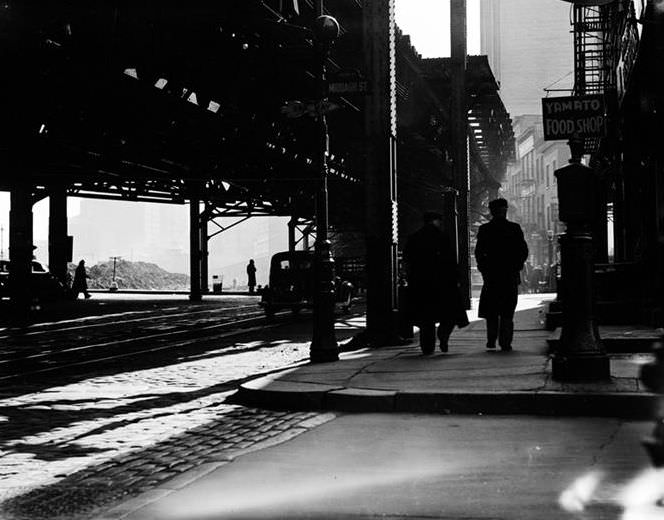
x,y
410,466
440,381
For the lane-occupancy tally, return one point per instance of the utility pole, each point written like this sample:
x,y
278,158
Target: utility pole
x,y
460,139
2,242
114,285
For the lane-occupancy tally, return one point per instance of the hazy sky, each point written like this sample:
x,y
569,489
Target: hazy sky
x,y
426,21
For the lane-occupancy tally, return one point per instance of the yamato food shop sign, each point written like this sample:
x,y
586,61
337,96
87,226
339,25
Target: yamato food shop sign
x,y
573,117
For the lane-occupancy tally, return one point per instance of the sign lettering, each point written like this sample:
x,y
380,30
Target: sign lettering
x,y
573,117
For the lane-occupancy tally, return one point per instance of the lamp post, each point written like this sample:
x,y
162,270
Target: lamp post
x,y
324,346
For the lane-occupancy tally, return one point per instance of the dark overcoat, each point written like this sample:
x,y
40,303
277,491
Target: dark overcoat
x,y
80,283
432,275
500,252
251,275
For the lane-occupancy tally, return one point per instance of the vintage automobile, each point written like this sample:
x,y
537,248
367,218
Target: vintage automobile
x,y
291,284
44,286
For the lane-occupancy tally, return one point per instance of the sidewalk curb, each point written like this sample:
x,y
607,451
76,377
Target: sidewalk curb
x,y
639,406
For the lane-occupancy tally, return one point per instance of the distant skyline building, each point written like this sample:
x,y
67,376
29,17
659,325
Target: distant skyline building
x,y
530,47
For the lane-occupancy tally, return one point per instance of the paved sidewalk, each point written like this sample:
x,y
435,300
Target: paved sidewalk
x,y
467,379
420,467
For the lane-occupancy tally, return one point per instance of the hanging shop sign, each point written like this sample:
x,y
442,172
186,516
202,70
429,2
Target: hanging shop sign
x,y
575,117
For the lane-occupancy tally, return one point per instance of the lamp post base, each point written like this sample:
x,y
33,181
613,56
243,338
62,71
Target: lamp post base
x,y
570,367
324,355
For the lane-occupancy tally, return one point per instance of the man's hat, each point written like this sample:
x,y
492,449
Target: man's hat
x,y
430,216
497,203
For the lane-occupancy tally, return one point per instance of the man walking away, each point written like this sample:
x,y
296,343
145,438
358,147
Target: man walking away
x,y
80,284
500,252
251,275
433,292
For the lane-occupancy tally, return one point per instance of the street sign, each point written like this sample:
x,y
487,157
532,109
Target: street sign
x,y
575,117
348,87
348,82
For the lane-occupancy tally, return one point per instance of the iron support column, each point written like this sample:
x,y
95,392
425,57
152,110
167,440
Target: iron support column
x,y
291,233
20,248
324,345
58,244
460,136
204,252
581,355
381,222
194,243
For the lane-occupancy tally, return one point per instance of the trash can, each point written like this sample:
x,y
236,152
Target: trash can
x,y
216,284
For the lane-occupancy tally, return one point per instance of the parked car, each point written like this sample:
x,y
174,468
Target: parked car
x,y
291,284
43,285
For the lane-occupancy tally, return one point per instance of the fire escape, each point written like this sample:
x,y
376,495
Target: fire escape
x,y
598,34
591,66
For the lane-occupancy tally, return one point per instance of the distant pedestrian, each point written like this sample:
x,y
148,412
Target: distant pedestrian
x,y
536,277
526,273
433,292
80,284
251,276
500,252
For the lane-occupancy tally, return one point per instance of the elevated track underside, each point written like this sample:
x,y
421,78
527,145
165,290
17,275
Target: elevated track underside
x,y
148,101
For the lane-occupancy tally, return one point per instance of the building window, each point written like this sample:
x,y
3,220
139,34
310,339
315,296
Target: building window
x,y
554,169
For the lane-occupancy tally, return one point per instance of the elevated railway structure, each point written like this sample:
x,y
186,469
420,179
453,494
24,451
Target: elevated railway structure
x,y
213,104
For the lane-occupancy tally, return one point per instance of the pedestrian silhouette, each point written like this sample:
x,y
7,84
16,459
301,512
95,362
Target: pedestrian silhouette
x,y
433,293
251,275
500,252
80,284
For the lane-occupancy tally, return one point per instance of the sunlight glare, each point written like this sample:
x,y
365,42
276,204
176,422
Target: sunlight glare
x,y
577,496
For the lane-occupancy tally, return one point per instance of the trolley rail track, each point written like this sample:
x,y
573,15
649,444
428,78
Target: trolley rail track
x,y
105,320
65,349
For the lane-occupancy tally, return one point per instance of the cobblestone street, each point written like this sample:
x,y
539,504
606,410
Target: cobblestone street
x,y
69,448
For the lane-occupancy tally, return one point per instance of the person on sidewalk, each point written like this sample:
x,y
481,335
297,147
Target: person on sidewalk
x,y
80,283
433,293
501,251
251,275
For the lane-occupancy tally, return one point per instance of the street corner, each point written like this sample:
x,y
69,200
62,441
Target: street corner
x,y
275,392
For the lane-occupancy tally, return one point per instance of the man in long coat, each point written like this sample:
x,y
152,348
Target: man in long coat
x,y
432,284
80,284
251,275
500,252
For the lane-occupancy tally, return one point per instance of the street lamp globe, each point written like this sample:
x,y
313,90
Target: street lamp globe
x,y
326,29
